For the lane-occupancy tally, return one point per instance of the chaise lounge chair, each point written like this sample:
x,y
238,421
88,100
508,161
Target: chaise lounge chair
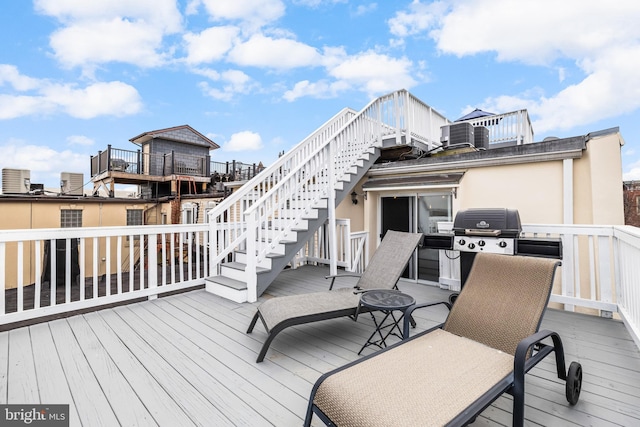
x,y
383,272
449,374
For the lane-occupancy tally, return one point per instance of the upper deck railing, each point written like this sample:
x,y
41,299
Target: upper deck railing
x,y
514,127
172,163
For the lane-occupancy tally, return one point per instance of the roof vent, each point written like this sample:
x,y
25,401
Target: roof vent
x,y
16,181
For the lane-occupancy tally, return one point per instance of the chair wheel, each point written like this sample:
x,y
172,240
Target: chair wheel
x,y
452,298
574,383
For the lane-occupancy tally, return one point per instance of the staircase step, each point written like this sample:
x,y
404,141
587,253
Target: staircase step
x,y
242,267
228,282
225,287
269,255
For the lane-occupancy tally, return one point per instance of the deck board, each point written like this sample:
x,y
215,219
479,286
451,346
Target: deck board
x,y
186,360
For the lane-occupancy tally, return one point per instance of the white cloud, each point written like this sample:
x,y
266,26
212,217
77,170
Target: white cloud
x,y
45,97
233,82
375,73
243,141
210,45
633,173
44,163
97,42
365,9
418,19
602,41
321,89
281,53
79,140
253,13
100,31
10,74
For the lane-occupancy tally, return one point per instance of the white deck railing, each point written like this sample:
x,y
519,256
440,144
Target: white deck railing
x,y
600,266
164,258
507,128
352,249
600,269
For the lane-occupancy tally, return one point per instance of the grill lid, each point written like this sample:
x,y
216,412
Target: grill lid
x,y
492,222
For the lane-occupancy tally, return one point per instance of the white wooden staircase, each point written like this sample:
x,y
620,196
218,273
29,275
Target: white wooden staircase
x,y
256,231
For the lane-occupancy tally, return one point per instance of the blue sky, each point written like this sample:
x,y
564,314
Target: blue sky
x,y
257,76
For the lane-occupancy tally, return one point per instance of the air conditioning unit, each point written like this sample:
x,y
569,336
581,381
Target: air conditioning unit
x,y
481,137
72,183
16,181
457,133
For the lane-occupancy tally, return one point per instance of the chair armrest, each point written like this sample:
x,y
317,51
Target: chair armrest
x,y
410,310
335,276
522,363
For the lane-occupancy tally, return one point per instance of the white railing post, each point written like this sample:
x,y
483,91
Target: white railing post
x,y
152,263
250,269
331,201
345,238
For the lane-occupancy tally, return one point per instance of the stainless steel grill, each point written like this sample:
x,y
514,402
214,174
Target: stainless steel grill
x,y
487,230
491,230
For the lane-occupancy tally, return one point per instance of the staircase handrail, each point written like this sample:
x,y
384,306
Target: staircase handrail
x,y
233,231
273,202
314,153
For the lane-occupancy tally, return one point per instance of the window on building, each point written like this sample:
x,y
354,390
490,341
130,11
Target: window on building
x,y
189,213
70,218
638,205
134,216
208,209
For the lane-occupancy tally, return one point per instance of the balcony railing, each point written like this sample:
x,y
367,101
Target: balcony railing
x,y
173,163
52,271
514,127
152,164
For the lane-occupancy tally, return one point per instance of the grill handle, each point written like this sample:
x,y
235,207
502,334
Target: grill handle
x,y
479,232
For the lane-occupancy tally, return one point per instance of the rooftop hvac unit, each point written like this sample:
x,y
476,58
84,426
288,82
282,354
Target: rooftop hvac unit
x,y
481,137
16,181
72,183
457,133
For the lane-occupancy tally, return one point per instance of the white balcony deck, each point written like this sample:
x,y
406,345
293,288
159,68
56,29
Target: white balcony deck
x,y
186,360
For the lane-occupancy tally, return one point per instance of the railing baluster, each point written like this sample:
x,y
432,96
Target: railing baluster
x,y
38,278
81,260
20,279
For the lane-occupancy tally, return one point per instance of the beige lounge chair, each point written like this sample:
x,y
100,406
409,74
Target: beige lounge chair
x,y
383,272
449,374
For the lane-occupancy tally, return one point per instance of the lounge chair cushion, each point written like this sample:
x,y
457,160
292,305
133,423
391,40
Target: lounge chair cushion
x,y
389,261
505,296
276,310
426,381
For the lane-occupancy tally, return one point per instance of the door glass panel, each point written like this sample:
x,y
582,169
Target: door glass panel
x,y
432,208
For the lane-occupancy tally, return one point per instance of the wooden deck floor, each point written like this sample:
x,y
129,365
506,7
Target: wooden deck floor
x,y
186,360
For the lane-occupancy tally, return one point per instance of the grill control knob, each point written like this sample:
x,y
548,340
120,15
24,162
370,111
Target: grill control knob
x,y
461,242
481,243
472,245
502,244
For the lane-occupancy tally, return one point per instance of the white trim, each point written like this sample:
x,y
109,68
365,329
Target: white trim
x,y
567,191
